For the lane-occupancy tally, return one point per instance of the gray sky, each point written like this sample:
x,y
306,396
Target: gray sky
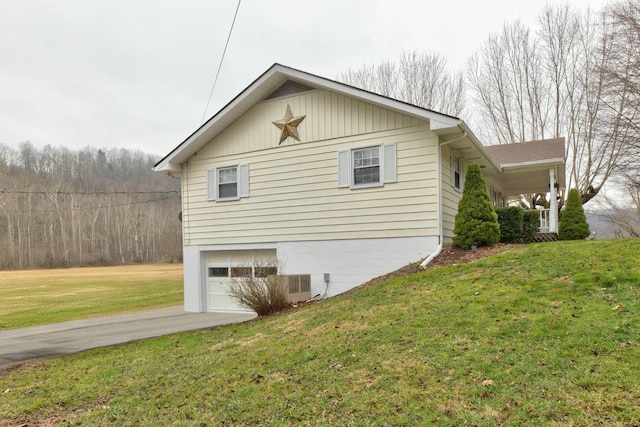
x,y
137,73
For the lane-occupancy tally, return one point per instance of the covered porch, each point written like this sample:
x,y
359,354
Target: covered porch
x,y
531,168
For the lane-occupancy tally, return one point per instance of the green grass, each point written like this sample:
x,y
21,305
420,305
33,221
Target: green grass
x,y
38,297
545,335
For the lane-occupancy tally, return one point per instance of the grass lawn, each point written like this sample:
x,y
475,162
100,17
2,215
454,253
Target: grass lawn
x,y
544,335
37,297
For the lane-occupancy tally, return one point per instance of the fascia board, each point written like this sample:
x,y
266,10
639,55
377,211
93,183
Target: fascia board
x,y
269,81
550,162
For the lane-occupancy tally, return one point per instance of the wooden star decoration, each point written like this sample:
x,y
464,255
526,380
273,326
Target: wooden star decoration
x,y
289,125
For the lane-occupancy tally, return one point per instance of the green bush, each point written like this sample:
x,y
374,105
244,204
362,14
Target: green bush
x,y
573,222
476,222
530,225
510,220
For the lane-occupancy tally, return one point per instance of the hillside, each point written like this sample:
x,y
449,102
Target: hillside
x,y
63,208
545,334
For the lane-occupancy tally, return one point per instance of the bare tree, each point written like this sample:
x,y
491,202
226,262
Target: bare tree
x,y
62,208
258,287
552,83
418,78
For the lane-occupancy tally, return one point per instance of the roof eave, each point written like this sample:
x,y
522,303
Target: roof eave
x,y
544,162
268,82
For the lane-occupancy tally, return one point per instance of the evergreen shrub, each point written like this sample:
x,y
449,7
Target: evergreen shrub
x,y
530,225
476,222
510,220
573,222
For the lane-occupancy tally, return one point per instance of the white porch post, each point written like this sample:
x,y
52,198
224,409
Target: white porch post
x,y
553,203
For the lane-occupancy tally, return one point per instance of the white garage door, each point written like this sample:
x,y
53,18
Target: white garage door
x,y
224,266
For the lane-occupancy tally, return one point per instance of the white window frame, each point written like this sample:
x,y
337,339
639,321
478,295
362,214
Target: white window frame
x,y
219,183
242,183
355,167
386,166
457,166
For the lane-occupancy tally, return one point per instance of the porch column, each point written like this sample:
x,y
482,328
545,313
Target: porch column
x,y
553,203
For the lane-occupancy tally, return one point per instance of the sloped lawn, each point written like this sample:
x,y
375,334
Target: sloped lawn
x,y
544,335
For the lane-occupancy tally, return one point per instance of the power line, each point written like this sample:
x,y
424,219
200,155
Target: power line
x,y
142,202
88,192
220,65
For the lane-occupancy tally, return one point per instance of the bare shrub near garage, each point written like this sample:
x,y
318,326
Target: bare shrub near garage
x,y
258,287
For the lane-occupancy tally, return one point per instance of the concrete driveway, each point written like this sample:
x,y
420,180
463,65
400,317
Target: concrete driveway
x,y
20,345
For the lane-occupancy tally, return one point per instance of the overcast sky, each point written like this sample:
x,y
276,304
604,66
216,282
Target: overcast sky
x,y
137,73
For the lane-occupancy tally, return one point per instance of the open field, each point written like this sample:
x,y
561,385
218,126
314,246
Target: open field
x,y
544,335
37,297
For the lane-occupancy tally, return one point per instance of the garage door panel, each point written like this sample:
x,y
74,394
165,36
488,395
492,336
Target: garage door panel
x,y
221,266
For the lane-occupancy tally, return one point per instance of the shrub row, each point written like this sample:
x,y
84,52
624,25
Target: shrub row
x,y
516,224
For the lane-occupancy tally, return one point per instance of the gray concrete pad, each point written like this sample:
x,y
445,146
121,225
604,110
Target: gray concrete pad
x,y
21,345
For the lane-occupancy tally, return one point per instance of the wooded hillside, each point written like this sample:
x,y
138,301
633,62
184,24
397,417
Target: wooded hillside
x,y
62,208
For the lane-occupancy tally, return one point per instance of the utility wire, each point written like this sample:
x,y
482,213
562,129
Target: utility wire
x,y
220,65
88,192
92,207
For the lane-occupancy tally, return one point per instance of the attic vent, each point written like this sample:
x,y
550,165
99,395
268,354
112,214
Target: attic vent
x,y
289,88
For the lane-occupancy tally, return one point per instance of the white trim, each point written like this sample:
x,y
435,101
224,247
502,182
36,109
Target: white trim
x,y
237,247
455,156
242,183
218,183
550,162
387,166
262,87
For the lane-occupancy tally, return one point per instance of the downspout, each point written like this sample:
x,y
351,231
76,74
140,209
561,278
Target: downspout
x,y
441,243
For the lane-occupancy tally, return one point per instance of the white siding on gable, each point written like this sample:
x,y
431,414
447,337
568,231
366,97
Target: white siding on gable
x,y
295,196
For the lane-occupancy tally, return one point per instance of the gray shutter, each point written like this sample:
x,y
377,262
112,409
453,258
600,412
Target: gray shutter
x,y
344,168
211,184
390,174
243,180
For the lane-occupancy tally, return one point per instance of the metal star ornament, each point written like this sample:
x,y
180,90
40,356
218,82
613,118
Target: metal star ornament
x,y
289,125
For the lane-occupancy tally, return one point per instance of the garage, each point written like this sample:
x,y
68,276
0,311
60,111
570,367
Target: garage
x,y
223,267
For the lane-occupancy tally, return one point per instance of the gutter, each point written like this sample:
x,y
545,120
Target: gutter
x,y
438,250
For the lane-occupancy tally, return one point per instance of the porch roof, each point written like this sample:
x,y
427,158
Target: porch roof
x,y
525,165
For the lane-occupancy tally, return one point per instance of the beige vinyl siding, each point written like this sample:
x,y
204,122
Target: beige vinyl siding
x,y
450,195
294,194
328,116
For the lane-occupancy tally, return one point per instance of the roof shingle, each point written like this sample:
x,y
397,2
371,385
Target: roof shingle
x,y
526,152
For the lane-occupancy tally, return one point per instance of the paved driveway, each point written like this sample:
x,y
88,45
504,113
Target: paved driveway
x,y
20,345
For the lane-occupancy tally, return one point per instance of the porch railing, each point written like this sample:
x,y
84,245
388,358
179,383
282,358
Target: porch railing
x,y
544,220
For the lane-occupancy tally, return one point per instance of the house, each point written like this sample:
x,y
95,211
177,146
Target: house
x,y
335,182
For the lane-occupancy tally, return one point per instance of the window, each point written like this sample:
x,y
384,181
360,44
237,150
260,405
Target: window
x,y
218,271
367,167
457,177
265,271
228,183
241,271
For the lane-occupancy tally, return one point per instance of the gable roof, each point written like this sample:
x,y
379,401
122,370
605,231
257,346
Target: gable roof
x,y
274,79
546,151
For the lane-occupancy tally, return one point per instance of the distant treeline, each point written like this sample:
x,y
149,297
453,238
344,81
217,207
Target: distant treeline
x,y
61,208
